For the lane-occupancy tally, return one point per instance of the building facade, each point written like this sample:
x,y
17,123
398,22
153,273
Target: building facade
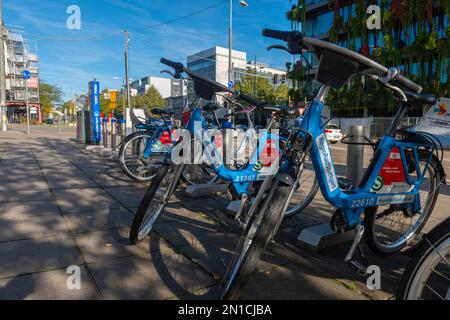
x,y
413,35
213,64
20,55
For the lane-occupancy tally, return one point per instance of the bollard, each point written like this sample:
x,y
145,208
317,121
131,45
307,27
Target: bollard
x,y
122,129
355,154
104,135
59,125
113,134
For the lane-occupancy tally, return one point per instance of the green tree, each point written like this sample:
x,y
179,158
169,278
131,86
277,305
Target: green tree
x,y
261,89
49,96
151,99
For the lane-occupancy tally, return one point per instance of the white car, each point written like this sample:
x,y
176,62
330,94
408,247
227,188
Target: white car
x,y
333,133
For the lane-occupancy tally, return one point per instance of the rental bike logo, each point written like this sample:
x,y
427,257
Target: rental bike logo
x,y
252,310
325,157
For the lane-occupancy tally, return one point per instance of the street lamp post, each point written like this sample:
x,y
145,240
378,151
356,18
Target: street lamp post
x,y
242,3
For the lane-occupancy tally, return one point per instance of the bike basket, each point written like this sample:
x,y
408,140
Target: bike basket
x,y
334,70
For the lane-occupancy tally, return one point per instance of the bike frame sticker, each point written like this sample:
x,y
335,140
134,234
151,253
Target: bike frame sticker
x,y
327,163
381,200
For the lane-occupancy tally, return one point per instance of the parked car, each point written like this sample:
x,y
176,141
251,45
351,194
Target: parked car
x,y
49,121
333,133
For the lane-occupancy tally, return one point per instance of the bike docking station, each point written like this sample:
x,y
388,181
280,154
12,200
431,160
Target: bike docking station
x,y
321,237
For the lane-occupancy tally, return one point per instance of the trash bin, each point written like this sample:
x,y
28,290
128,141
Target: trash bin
x,y
84,126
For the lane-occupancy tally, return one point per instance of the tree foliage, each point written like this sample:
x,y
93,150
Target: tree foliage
x,y
261,89
49,96
151,99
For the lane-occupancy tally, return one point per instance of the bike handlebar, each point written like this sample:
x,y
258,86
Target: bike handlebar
x,y
299,39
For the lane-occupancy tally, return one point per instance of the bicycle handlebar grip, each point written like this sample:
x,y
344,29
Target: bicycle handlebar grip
x,y
172,64
276,34
409,84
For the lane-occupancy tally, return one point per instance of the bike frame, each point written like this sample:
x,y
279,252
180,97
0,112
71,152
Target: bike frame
x,y
352,203
241,179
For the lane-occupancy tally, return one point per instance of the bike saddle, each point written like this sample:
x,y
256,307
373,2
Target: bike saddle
x,y
424,98
159,111
284,110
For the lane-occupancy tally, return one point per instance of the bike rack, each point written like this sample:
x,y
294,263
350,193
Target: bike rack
x,y
201,190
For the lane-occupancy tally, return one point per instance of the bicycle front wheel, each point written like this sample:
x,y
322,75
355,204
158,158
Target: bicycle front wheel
x,y
306,191
251,246
154,201
132,160
427,276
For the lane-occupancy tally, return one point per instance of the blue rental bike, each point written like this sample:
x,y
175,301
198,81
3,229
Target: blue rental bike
x,y
241,179
141,153
397,193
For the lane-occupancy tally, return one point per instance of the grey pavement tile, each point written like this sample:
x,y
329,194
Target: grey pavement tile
x,y
25,195
181,230
130,196
98,220
47,285
23,182
33,255
84,199
32,227
23,210
216,255
163,275
70,178
110,177
109,244
291,282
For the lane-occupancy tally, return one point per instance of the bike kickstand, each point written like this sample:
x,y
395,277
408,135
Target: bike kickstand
x,y
360,268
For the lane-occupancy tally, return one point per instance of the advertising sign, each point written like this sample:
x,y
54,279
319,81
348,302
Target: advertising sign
x,y
437,121
33,83
94,94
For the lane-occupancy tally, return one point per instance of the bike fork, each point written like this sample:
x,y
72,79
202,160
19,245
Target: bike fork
x,y
359,267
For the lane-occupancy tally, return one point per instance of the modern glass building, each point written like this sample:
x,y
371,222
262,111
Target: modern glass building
x,y
413,35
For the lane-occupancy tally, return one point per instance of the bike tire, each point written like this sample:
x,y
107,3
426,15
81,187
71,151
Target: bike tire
x,y
260,232
310,197
371,216
433,240
122,162
144,204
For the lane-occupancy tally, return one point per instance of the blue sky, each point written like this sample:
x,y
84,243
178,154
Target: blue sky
x,y
70,58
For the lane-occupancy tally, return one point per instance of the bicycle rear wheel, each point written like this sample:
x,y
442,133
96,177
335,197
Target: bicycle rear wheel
x,y
252,244
390,228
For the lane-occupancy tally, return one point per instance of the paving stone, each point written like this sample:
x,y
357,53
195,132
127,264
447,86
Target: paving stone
x,y
109,244
130,196
164,275
33,255
48,285
290,282
32,227
68,178
26,210
98,220
25,195
84,199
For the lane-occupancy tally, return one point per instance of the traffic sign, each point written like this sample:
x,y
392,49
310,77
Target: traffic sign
x,y
26,74
230,84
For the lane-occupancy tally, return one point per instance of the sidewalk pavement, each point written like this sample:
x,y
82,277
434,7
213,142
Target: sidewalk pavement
x,y
62,206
